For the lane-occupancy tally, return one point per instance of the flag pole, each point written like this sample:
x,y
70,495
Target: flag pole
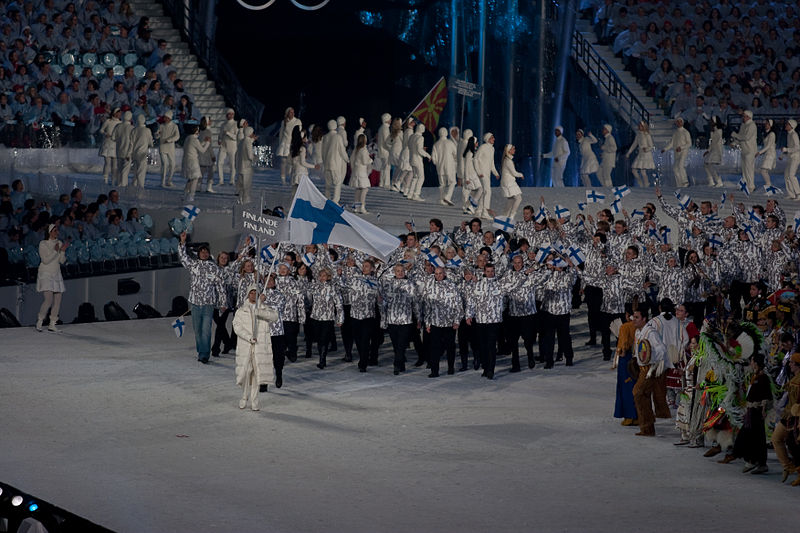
x,y
424,97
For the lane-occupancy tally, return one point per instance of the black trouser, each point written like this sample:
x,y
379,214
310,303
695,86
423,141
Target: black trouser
x,y
419,344
739,290
400,335
553,325
467,339
323,334
375,339
290,332
309,330
221,335
363,332
608,318
441,340
487,344
278,353
347,333
524,326
594,300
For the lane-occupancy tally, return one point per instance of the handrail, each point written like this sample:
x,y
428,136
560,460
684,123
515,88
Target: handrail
x,y
192,29
606,77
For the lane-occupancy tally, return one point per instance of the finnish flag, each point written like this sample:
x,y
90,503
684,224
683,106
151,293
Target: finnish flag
x,y
435,260
621,191
796,221
316,220
500,244
772,190
267,253
455,262
576,255
594,197
308,259
190,212
561,211
177,327
743,187
616,206
542,254
472,202
684,201
504,223
637,213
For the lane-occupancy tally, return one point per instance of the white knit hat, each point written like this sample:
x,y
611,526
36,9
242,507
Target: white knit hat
x,y
608,127
748,113
793,123
560,129
229,111
486,136
168,113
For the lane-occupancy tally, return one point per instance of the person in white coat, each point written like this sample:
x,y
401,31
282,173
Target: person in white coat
x,y
244,165
767,163
341,129
122,136
417,160
559,155
334,160
361,164
207,158
142,142
461,168
471,183
384,146
712,158
254,366
746,137
444,156
508,181
644,157
288,125
167,136
609,156
403,181
680,142
589,164
298,154
49,280
190,168
227,147
362,130
108,150
792,150
484,165
316,134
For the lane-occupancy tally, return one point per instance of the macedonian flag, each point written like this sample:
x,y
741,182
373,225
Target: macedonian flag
x,y
431,106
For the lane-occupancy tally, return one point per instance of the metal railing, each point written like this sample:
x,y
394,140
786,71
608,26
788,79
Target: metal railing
x,y
192,28
601,73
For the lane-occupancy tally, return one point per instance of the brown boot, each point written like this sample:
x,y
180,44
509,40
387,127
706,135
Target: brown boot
x,y
626,421
714,450
727,459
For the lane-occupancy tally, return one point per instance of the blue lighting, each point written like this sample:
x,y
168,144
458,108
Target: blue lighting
x,y
33,507
369,18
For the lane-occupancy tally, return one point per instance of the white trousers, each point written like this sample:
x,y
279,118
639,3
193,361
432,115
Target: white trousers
x,y
52,301
226,150
606,167
679,169
512,205
167,166
749,169
109,167
557,174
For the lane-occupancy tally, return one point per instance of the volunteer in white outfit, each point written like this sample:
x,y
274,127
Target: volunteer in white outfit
x,y
361,164
559,155
484,165
334,160
461,168
472,183
747,139
443,156
315,146
792,149
681,141
418,155
122,135
227,147
48,279
142,142
395,145
190,167
644,157
383,146
285,140
207,158
167,135
108,150
244,164
589,163
508,181
403,181
362,130
609,158
768,151
712,158
341,124
297,152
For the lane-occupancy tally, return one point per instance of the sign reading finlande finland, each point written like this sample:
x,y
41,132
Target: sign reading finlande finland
x,y
274,228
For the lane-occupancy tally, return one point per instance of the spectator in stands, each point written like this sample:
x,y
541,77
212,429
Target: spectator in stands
x,y
163,67
87,42
132,224
65,116
49,280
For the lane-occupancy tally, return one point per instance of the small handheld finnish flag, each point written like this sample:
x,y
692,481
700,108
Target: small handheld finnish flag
x,y
665,235
753,216
581,206
500,244
308,259
684,201
504,223
621,191
576,255
743,187
177,327
559,263
435,260
772,190
715,241
637,213
594,197
616,206
267,253
190,212
796,221
542,254
455,262
472,202
561,211
541,216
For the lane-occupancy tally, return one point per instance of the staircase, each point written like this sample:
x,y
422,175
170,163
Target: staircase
x,y
660,124
195,79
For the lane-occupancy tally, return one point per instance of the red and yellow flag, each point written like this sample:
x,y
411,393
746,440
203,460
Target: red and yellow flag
x,y
432,105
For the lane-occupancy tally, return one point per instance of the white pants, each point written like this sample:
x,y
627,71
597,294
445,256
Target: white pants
x,y
226,150
477,196
712,173
244,184
419,179
557,174
605,172
749,169
790,176
361,198
386,173
140,170
586,179
124,168
446,186
167,166
679,169
208,172
486,201
286,163
249,387
333,186
641,177
190,188
109,167
512,205
766,176
52,301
